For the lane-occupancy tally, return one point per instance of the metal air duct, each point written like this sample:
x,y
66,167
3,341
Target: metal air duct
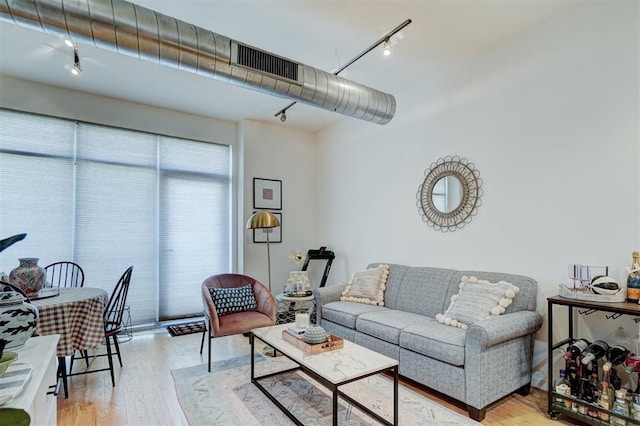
x,y
127,28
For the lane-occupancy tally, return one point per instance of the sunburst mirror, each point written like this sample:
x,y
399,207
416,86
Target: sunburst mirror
x,y
450,195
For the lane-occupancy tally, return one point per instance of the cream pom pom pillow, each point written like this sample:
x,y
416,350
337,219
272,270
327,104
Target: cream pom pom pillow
x,y
367,286
477,300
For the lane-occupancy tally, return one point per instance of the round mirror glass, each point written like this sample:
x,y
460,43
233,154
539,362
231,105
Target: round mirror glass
x,y
450,194
447,194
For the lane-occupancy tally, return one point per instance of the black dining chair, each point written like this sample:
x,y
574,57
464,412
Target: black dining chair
x,y
113,324
64,274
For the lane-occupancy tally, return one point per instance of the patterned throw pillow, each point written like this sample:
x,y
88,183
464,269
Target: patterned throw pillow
x,y
367,286
477,300
232,300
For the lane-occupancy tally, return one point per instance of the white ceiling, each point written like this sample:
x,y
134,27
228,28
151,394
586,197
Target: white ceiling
x,y
321,33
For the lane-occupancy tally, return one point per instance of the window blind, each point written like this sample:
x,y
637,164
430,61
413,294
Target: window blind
x,y
36,182
108,198
195,237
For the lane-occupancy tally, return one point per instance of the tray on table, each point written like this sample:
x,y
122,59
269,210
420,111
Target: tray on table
x,y
332,343
584,294
44,293
294,294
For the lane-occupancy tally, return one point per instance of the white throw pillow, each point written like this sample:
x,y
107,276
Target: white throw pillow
x,y
477,300
367,286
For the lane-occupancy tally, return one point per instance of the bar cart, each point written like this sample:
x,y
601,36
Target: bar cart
x,y
613,311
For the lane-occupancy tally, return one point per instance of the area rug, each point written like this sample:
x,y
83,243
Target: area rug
x,y
181,330
226,396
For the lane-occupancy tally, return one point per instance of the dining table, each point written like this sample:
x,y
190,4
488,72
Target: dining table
x,y
77,315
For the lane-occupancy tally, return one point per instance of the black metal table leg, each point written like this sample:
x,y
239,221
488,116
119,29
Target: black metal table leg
x,y
395,396
62,374
335,405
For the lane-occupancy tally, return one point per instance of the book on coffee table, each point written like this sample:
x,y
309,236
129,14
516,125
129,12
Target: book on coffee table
x,y
297,332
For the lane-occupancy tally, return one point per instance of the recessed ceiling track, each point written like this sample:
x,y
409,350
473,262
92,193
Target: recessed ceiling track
x,y
133,30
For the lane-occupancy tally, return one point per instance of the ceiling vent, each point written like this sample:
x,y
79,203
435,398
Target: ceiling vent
x,y
130,29
259,60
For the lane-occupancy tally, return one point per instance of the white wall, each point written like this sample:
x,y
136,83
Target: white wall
x,y
58,102
551,122
276,152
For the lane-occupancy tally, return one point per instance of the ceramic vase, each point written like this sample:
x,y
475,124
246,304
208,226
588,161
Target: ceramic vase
x,y
18,319
28,276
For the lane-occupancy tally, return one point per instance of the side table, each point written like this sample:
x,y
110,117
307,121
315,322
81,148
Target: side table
x,y
289,306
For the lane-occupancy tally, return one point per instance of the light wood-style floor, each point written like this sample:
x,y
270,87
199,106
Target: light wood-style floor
x,y
144,394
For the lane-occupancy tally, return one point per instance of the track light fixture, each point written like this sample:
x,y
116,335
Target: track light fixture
x,y
386,51
76,69
386,39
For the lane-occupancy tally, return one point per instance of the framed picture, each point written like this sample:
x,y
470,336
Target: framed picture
x,y
267,194
275,234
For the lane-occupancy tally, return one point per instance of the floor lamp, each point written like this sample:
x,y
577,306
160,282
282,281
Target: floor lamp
x,y
264,220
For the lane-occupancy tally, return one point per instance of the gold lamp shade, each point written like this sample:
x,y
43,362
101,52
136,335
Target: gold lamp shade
x,y
263,219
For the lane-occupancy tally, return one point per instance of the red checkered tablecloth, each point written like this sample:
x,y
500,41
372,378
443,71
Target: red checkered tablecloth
x,y
76,314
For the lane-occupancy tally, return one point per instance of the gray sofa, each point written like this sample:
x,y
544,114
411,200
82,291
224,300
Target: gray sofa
x,y
476,366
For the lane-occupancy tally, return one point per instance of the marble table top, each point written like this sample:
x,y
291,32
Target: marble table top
x,y
337,366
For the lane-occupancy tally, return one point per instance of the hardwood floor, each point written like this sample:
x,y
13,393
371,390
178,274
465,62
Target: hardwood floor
x,y
144,394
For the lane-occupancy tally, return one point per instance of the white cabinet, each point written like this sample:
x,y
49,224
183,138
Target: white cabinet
x,y
38,398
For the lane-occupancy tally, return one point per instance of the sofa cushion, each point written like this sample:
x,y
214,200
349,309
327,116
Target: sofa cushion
x,y
477,300
428,337
386,325
421,290
367,286
346,313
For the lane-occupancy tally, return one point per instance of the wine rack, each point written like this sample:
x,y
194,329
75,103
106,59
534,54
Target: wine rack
x,y
614,311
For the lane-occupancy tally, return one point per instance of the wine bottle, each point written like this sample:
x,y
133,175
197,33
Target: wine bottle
x,y
620,406
616,354
605,400
615,382
632,364
576,348
633,279
589,393
571,357
561,386
595,351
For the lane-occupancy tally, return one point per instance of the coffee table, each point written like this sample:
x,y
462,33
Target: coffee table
x,y
331,369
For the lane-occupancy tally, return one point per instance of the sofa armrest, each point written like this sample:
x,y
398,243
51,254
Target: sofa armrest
x,y
495,330
499,356
324,295
332,293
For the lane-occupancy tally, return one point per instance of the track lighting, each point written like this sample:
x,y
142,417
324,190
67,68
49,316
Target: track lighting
x,y
387,47
76,69
385,41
